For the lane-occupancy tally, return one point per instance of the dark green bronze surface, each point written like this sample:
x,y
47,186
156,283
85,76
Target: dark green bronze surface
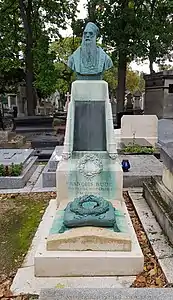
x,y
89,210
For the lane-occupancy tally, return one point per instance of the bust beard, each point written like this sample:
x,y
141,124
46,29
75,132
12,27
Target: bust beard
x,y
89,54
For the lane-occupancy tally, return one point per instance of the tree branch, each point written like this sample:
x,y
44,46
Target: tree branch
x,y
8,7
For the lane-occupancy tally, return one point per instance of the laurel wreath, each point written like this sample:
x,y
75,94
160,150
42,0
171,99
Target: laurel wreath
x,y
90,158
101,205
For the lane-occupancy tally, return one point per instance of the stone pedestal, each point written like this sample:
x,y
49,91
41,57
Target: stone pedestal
x,y
89,170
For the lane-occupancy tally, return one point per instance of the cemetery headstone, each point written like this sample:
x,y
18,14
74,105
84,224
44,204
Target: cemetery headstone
x,y
91,217
139,126
9,157
129,104
159,94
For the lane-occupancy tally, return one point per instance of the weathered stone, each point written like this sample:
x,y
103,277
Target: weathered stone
x,y
160,201
17,182
17,156
165,131
158,94
4,136
106,294
148,128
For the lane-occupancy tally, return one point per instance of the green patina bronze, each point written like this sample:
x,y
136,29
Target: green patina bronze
x,y
89,61
89,210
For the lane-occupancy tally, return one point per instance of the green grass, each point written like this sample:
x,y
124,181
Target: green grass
x,y
19,219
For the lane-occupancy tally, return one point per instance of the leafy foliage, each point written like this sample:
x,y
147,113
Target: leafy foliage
x,y
135,148
26,28
12,170
63,48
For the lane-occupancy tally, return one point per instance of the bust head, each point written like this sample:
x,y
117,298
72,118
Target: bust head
x,y
89,59
89,47
90,33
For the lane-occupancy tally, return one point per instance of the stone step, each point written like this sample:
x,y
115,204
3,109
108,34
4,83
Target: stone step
x,y
106,294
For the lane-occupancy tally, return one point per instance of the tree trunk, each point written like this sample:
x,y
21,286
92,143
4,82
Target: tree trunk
x,y
151,65
122,66
26,18
30,95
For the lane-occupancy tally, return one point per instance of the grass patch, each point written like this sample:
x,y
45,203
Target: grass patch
x,y
20,216
135,148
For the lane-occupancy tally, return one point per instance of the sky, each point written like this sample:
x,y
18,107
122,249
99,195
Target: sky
x,y
144,67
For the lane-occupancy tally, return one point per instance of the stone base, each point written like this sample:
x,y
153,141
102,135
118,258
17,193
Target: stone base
x,y
160,200
90,238
89,263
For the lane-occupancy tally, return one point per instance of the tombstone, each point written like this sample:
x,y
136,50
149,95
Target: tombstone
x,y
165,131
12,100
21,100
129,103
17,156
91,231
139,127
67,101
158,192
88,172
137,100
159,94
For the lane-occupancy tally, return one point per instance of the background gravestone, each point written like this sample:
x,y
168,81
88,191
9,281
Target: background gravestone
x,y
159,94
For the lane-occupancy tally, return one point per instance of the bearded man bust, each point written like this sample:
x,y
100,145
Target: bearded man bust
x,y
89,61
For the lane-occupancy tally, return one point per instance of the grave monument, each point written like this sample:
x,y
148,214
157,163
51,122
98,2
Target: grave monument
x,y
159,94
91,233
158,192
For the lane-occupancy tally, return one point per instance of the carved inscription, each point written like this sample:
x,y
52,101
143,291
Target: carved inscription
x,y
85,185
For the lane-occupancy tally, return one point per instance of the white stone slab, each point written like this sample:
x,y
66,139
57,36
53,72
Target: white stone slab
x,y
25,281
15,156
142,126
90,263
55,157
167,267
89,90
159,242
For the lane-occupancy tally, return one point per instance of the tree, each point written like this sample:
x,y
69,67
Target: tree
x,y
133,81
63,48
45,73
134,28
11,63
33,18
119,22
157,27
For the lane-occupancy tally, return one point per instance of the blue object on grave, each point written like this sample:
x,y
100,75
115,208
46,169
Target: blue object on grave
x,y
89,210
125,165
